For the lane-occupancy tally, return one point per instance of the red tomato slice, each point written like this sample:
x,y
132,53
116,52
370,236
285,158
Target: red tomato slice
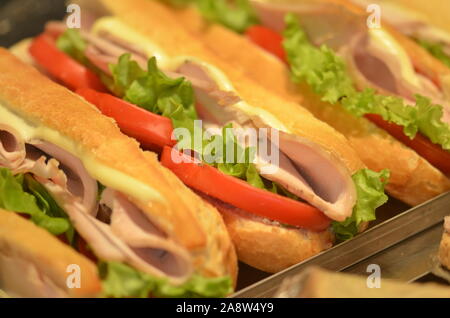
x,y
433,153
267,39
61,66
146,127
239,193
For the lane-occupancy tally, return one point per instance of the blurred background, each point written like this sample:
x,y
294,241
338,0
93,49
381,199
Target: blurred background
x,y
20,19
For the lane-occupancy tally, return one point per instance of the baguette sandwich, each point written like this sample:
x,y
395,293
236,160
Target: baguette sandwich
x,y
136,65
359,80
78,196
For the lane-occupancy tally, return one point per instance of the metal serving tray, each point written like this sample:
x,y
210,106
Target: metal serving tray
x,y
402,244
404,247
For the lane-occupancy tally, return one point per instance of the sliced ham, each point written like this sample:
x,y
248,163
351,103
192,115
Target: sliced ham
x,y
103,49
370,71
329,186
410,23
145,239
12,148
79,182
305,170
99,59
381,66
110,48
124,240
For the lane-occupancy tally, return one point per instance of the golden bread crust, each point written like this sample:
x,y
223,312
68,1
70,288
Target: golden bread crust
x,y
20,238
272,248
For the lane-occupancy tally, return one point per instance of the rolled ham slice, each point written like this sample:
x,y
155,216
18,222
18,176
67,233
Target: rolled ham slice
x,y
305,170
124,240
371,63
80,183
130,236
12,148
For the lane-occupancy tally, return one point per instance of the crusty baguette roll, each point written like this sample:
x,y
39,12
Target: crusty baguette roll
x,y
413,179
423,61
269,247
34,263
78,127
315,282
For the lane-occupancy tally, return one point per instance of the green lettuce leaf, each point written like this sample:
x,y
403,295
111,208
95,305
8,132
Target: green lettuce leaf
x,y
242,166
100,189
174,98
120,280
155,92
323,70
327,75
22,194
71,43
237,16
47,204
125,72
370,195
435,49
